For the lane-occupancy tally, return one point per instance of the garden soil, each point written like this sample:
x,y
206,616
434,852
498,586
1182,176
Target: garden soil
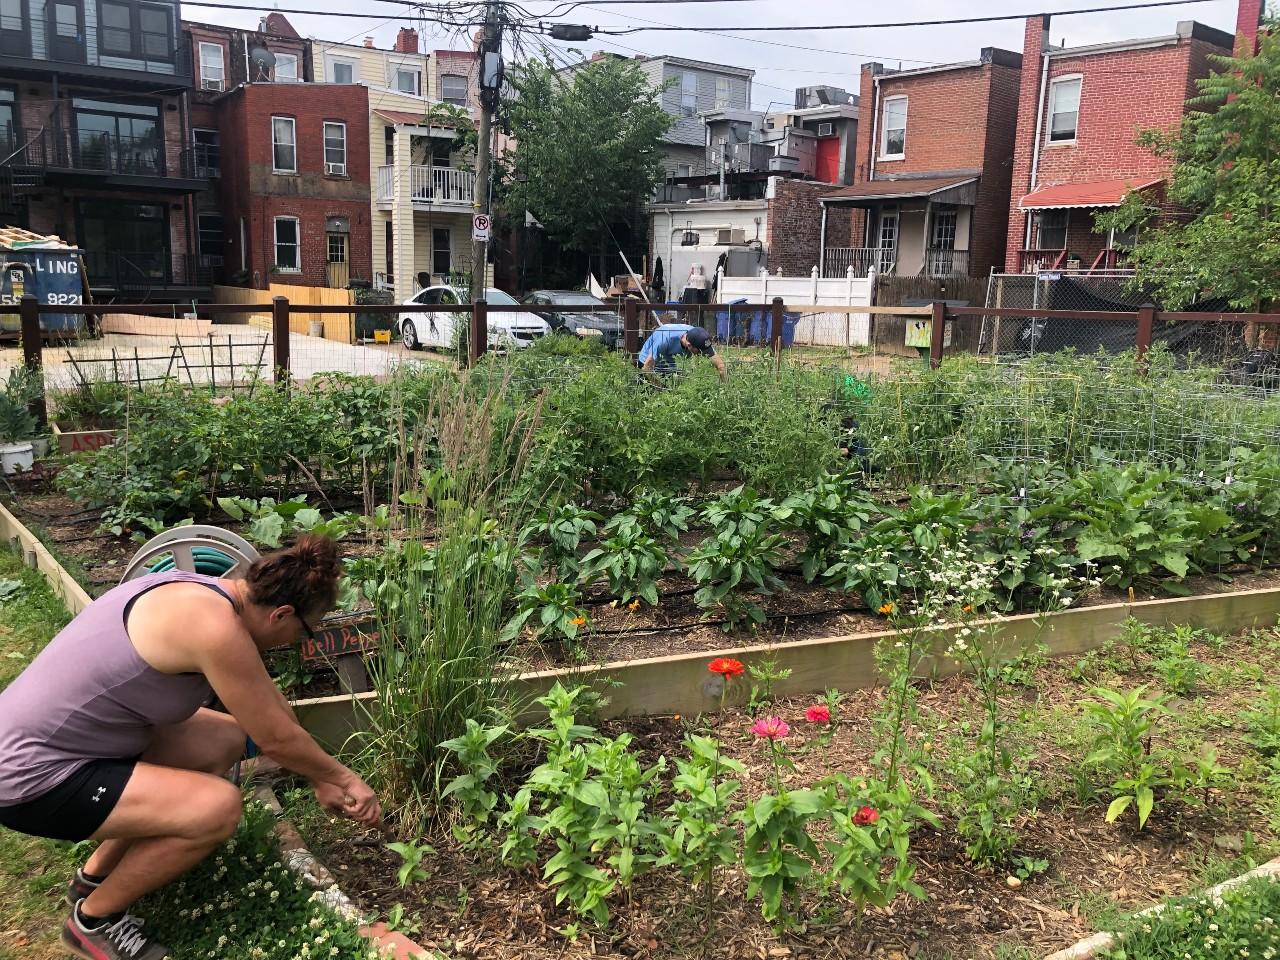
x,y
473,908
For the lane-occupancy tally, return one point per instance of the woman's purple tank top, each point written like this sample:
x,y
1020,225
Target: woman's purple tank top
x,y
89,696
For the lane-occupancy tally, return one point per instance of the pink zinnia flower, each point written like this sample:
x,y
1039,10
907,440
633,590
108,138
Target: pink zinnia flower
x,y
866,816
818,713
771,728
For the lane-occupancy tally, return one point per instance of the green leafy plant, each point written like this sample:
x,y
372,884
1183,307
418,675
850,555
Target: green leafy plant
x,y
561,531
631,562
741,512
764,674
1125,723
1262,724
411,867
659,514
554,609
828,512
730,566
470,788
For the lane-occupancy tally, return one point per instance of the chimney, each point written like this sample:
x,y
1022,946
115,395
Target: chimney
x,y
368,42
407,40
277,25
1248,19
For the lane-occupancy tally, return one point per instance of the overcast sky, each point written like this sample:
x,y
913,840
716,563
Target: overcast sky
x,y
780,69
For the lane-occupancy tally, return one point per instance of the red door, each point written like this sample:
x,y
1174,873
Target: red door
x,y
828,170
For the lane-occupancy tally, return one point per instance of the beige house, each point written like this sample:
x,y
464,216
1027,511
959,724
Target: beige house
x,y
422,192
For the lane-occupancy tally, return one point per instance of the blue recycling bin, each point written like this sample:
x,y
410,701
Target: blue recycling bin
x,y
762,322
730,324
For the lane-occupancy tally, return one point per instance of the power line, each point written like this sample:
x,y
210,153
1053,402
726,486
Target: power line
x,y
955,21
249,8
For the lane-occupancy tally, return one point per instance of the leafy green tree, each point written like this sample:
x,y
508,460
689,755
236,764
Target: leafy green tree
x,y
1226,173
587,153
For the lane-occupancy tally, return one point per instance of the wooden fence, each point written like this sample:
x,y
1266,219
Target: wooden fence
x,y
337,326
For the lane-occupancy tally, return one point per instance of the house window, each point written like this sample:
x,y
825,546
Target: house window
x,y
722,92
213,237
684,169
284,145
688,94
115,27
213,71
286,68
15,33
335,148
342,71
1051,229
944,230
389,245
336,247
143,31
1064,109
118,136
406,80
155,25
893,141
8,132
441,251
208,160
287,234
453,89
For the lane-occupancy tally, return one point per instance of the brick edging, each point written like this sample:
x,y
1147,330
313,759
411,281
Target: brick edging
x,y
314,874
1088,948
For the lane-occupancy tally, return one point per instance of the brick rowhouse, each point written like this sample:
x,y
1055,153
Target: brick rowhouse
x,y
1125,88
255,194
955,164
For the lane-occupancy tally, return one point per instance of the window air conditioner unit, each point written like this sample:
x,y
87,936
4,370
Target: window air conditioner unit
x,y
210,84
734,235
336,169
826,129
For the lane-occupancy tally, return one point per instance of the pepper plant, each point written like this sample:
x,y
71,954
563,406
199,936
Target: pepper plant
x,y
731,566
631,562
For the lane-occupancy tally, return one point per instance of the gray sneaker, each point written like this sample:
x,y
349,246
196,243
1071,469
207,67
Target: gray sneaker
x,y
79,888
121,940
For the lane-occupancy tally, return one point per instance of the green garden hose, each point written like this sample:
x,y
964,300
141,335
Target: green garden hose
x,y
209,561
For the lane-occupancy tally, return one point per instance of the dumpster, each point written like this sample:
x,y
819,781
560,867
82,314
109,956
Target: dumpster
x,y
44,268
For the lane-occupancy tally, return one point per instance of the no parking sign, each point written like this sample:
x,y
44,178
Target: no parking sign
x,y
480,225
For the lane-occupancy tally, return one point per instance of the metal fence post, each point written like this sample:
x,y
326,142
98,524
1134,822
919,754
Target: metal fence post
x,y
937,330
280,337
630,327
1146,321
479,341
29,313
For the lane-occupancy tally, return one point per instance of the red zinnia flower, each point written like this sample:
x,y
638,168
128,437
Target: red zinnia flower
x,y
866,816
818,713
727,667
771,728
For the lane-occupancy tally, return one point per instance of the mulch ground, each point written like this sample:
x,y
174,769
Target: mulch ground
x,y
474,908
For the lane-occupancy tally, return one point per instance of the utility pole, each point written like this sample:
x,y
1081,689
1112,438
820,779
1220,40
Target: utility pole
x,y
490,89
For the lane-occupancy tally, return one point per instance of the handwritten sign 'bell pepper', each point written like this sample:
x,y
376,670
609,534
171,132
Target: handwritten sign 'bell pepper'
x,y
340,639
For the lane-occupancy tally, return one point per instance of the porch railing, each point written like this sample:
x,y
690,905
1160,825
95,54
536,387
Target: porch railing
x,y
838,260
443,185
47,148
945,262
146,270
1045,258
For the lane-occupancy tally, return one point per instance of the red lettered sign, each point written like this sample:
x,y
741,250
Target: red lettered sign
x,y
338,639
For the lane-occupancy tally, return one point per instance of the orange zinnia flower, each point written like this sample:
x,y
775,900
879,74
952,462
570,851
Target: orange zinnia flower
x,y
887,608
727,667
578,621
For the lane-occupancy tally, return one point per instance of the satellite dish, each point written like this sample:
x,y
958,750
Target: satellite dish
x,y
263,60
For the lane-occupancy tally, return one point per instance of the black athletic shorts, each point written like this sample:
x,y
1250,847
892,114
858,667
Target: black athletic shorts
x,y
75,808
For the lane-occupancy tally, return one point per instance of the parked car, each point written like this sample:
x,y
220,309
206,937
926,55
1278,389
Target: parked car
x,y
420,326
603,323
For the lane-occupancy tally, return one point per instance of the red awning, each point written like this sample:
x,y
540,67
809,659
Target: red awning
x,y
1095,193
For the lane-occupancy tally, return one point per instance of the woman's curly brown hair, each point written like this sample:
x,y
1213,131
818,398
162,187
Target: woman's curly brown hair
x,y
303,575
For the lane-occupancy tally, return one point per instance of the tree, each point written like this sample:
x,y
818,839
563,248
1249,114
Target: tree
x,y
587,155
1226,174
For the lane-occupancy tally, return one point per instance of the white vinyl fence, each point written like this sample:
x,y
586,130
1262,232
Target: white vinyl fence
x,y
821,329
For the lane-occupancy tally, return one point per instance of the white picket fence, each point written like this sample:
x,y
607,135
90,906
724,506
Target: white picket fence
x,y
820,329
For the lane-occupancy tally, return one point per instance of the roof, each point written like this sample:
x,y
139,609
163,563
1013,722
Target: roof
x,y
701,65
899,189
412,119
1092,193
1186,30
15,238
988,55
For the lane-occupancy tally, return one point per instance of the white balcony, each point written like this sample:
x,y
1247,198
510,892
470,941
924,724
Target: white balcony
x,y
436,188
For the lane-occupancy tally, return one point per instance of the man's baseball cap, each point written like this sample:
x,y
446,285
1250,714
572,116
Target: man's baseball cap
x,y
699,339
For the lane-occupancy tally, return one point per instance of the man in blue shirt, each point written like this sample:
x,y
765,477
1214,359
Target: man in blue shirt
x,y
673,340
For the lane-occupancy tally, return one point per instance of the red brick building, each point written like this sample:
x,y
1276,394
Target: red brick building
x,y
932,174
1079,116
295,183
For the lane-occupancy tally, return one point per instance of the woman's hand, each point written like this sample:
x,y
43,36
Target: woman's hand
x,y
352,798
